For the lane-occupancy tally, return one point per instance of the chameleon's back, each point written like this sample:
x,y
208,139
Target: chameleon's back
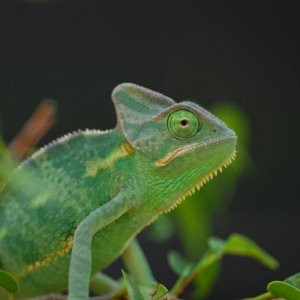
x,y
44,202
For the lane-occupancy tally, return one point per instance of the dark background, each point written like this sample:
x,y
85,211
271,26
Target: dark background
x,y
248,53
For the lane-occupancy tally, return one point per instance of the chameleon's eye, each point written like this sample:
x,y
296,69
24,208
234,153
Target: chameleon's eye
x,y
183,123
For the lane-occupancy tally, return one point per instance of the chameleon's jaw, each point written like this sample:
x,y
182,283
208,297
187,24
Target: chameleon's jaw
x,y
166,160
206,178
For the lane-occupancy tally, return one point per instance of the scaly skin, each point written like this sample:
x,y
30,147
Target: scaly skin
x,y
73,207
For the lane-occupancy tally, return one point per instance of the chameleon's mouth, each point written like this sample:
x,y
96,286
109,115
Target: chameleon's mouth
x,y
181,151
210,175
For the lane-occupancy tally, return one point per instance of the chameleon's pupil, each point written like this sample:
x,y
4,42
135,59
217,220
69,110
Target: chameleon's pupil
x,y
183,123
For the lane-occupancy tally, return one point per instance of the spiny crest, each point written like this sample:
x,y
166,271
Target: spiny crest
x,y
63,139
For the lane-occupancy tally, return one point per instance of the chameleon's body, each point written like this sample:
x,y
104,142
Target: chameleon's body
x,y
92,192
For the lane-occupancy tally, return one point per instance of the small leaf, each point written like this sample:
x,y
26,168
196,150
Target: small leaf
x,y
8,281
133,289
284,290
238,244
179,264
159,292
294,280
216,244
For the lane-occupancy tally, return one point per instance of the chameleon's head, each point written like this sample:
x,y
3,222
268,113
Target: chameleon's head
x,y
185,144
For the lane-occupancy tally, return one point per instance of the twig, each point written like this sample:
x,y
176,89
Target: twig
x,y
34,129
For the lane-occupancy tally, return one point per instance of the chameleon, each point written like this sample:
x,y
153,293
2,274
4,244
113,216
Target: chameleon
x,y
77,204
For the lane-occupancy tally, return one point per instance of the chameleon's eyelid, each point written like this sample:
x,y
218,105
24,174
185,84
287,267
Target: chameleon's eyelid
x,y
176,107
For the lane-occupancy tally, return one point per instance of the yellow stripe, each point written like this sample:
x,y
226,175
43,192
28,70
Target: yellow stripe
x,y
96,165
65,249
40,200
3,233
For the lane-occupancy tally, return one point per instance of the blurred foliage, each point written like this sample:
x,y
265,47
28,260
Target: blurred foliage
x,y
9,283
289,289
200,271
188,270
7,280
154,291
7,163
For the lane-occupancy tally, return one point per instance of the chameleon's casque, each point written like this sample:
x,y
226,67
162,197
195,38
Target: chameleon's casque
x,y
73,207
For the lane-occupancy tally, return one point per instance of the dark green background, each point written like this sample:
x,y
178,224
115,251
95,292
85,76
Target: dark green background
x,y
77,51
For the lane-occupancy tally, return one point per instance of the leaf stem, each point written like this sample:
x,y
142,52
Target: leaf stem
x,y
184,281
265,296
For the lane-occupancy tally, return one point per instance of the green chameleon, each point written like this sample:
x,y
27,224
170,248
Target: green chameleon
x,y
76,205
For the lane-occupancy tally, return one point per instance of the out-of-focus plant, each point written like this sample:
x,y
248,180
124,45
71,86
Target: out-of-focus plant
x,y
41,120
289,289
188,270
22,145
6,162
7,281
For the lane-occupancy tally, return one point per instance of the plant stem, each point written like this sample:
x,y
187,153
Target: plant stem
x,y
136,264
265,296
184,281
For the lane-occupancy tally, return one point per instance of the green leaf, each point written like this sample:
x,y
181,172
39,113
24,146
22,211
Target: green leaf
x,y
216,244
284,290
294,280
159,292
133,289
179,264
238,244
8,281
7,163
289,289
